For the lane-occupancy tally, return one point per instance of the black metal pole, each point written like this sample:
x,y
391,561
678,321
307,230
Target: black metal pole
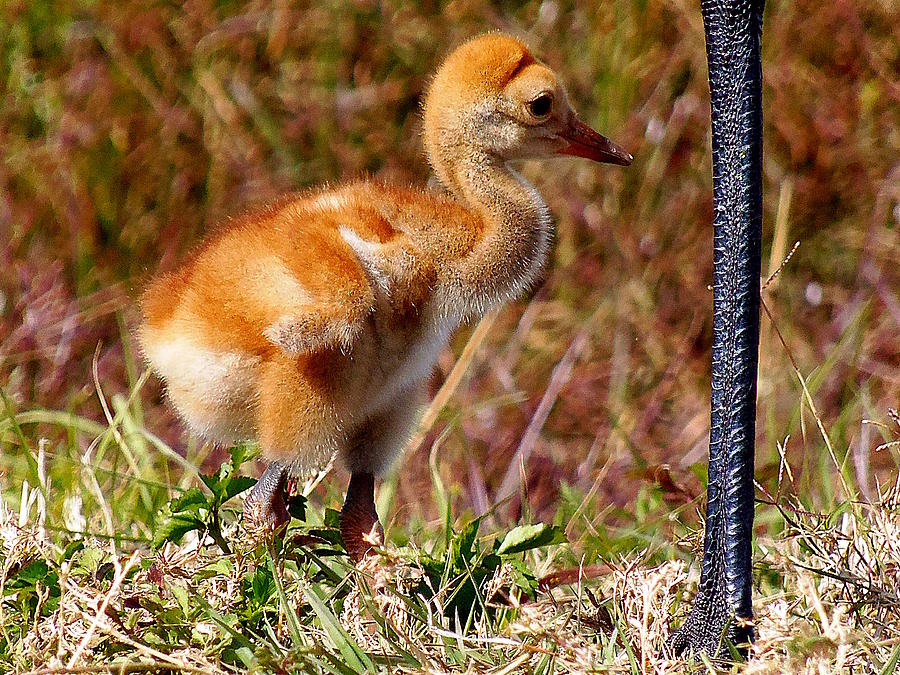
x,y
723,606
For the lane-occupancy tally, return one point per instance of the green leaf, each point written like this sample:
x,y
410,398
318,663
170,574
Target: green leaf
x,y
245,654
466,539
214,482
524,578
88,560
462,548
527,537
189,501
490,562
236,486
262,585
222,566
329,534
181,597
72,548
333,518
297,507
241,453
27,576
174,526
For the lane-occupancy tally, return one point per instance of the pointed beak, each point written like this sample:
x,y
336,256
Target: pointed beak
x,y
585,142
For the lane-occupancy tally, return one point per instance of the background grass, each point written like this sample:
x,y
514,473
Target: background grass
x,y
129,129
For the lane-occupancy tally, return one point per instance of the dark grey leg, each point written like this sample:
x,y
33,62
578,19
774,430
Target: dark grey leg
x,y
360,528
723,607
265,508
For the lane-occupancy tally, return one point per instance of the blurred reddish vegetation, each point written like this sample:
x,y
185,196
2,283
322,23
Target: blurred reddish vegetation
x,y
129,129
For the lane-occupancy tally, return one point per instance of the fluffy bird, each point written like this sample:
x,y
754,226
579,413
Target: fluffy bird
x,y
312,324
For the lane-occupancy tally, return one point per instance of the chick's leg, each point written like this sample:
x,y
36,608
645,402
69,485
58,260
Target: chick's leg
x,y
370,453
360,527
265,509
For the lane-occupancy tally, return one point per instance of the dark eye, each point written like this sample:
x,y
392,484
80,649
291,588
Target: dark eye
x,y
540,106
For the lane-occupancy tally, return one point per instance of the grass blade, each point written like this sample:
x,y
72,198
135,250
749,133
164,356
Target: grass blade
x,y
354,656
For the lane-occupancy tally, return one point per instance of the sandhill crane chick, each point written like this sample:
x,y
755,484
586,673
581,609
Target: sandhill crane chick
x,y
312,324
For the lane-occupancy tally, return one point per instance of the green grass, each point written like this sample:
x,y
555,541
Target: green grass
x,y
128,130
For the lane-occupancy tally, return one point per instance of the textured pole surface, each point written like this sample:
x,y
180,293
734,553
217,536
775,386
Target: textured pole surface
x,y
733,30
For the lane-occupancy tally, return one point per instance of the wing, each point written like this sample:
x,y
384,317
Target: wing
x,y
315,327
328,299
337,321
